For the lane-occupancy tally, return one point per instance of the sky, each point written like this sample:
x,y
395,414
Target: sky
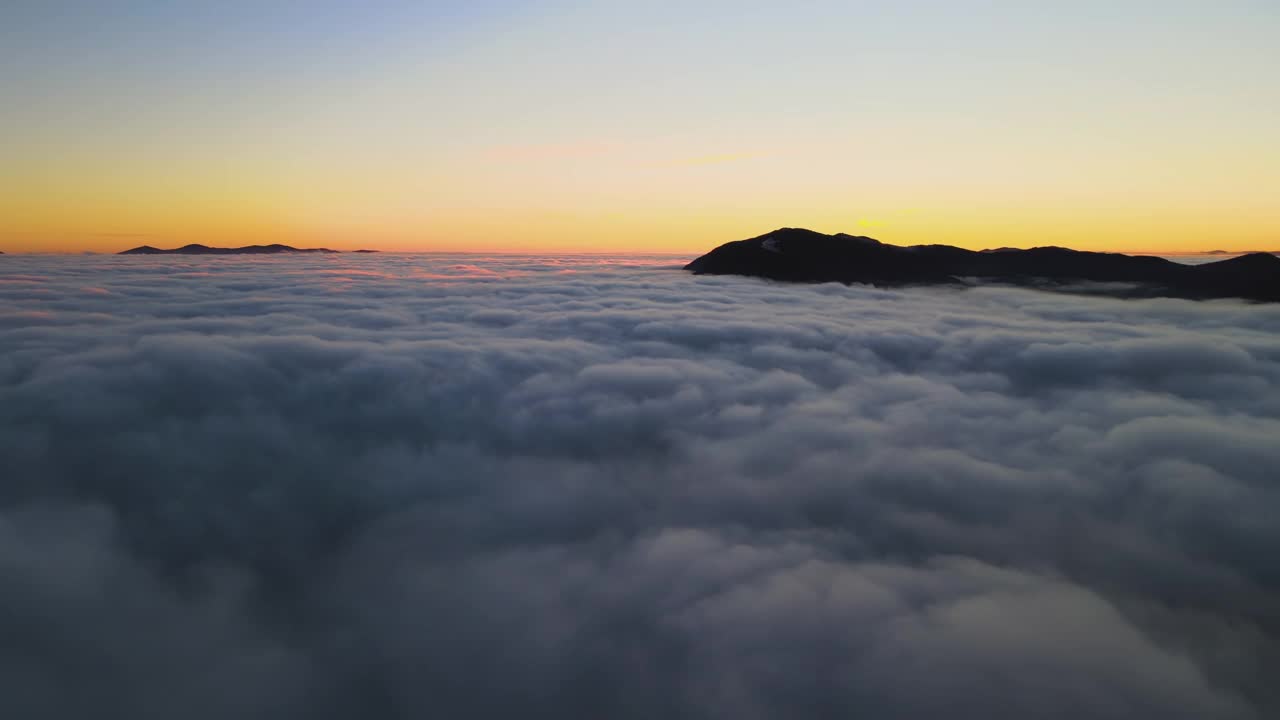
x,y
559,126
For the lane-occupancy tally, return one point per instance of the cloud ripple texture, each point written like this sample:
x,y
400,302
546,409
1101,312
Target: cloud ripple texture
x,y
407,486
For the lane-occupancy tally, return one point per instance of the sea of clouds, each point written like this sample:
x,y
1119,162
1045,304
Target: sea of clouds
x,y
406,486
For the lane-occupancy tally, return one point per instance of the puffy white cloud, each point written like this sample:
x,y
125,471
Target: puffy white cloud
x,y
394,486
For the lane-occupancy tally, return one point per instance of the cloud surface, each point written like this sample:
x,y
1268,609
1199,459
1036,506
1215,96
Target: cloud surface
x,y
406,486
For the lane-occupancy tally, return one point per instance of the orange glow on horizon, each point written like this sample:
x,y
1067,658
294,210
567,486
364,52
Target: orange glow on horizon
x,y
668,233
603,198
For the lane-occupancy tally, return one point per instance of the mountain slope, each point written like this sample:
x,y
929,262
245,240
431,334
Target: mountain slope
x,y
198,249
798,255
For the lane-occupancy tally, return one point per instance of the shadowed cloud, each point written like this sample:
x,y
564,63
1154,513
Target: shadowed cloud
x,y
400,486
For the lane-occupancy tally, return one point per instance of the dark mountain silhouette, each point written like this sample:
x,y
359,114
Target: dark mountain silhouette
x,y
198,249
798,255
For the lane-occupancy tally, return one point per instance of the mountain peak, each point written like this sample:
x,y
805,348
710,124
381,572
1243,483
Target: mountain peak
x,y
800,255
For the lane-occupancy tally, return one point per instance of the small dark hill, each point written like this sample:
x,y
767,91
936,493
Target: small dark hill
x,y
198,249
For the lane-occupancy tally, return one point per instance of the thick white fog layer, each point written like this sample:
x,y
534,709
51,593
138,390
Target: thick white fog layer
x,y
432,486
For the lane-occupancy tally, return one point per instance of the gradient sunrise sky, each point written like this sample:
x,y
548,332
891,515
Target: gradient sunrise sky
x,y
504,125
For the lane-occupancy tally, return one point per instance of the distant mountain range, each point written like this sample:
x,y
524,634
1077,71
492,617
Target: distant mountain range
x,y
197,249
798,255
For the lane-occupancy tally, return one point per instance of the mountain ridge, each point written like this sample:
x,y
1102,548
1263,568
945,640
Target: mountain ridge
x,y
802,255
199,249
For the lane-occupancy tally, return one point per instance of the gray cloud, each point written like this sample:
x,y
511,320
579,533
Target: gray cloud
x,y
397,486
